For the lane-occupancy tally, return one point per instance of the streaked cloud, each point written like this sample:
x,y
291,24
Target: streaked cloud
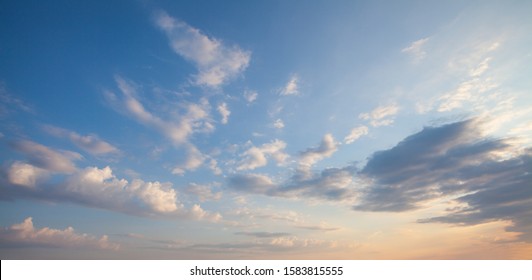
x,y
61,161
263,234
25,234
291,87
216,62
416,49
89,143
356,133
381,116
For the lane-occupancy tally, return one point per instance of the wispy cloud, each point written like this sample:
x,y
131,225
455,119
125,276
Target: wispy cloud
x,y
89,143
278,123
291,87
263,234
251,96
41,156
416,49
224,112
356,133
216,62
25,234
381,116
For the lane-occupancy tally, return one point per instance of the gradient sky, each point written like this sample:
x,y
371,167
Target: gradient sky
x,y
266,129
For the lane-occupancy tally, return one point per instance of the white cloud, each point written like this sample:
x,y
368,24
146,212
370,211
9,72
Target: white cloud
x,y
311,156
416,49
258,156
468,92
251,96
356,133
99,187
224,112
89,143
193,161
278,124
216,62
25,234
26,175
46,158
195,118
481,68
381,116
291,88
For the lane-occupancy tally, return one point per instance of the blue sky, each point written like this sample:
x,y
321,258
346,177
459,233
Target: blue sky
x,y
265,129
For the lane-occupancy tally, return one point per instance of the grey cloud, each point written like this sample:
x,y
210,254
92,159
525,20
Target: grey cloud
x,y
263,234
47,158
453,160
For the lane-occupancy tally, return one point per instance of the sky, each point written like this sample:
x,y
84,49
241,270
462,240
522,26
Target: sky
x,y
265,129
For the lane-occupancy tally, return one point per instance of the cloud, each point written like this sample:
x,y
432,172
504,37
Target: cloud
x,y
326,148
203,192
251,96
318,228
331,184
89,143
263,234
9,103
256,157
224,112
26,175
455,162
194,159
100,188
178,130
381,116
46,158
356,133
279,124
291,88
25,234
216,62
416,49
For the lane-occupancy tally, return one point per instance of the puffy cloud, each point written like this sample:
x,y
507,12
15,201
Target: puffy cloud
x,y
416,49
216,62
25,234
89,143
26,175
193,161
256,157
381,116
455,162
356,133
326,148
224,112
47,158
252,183
291,88
100,188
251,96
